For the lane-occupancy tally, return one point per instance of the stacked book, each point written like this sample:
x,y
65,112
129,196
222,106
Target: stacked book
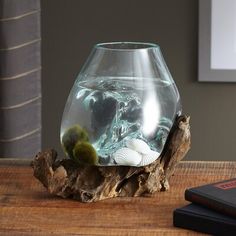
x,y
212,209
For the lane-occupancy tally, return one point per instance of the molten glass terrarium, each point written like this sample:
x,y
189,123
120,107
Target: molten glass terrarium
x,y
121,107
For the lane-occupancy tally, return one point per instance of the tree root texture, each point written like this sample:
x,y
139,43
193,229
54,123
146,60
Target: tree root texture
x,y
66,179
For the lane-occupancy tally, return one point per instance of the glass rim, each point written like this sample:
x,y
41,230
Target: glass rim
x,y
126,46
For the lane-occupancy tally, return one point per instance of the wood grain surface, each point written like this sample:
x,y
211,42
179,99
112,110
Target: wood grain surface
x,y
27,209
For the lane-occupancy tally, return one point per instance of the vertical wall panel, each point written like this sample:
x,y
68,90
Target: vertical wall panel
x,y
20,78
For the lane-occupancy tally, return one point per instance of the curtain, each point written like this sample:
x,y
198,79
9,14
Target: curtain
x,y
20,78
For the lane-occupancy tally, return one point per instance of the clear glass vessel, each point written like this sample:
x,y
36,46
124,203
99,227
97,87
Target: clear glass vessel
x,y
121,107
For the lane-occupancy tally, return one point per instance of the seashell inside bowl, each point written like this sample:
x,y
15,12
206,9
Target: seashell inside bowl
x,y
127,157
149,158
138,145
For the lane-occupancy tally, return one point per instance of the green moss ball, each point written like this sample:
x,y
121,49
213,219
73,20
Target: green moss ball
x,y
73,135
85,154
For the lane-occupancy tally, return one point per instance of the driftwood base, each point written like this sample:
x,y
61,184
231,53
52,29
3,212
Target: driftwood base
x,y
92,183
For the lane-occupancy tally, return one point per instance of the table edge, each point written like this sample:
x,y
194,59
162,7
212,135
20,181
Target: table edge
x,y
26,162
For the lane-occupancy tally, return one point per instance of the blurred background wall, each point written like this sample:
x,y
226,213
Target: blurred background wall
x,y
71,28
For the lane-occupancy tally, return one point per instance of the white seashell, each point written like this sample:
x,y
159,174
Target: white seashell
x,y
149,158
138,145
127,157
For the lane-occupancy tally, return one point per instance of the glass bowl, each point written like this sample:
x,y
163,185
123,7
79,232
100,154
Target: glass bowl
x,y
121,107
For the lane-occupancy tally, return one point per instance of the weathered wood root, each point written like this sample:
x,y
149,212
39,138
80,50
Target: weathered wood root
x,y
92,183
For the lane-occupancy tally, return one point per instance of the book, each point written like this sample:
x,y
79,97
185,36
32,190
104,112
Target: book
x,y
205,220
220,196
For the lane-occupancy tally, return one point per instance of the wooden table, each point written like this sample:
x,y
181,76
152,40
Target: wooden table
x,y
27,209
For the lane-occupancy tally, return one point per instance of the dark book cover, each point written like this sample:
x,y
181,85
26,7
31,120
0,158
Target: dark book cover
x,y
220,196
202,219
